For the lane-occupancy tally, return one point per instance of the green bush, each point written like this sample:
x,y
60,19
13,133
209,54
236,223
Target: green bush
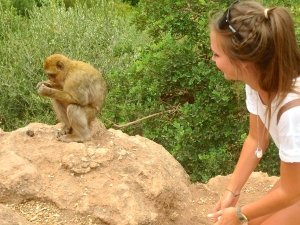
x,y
23,6
210,121
95,35
132,2
176,72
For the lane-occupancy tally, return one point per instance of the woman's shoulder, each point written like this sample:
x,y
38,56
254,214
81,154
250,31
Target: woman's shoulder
x,y
294,93
249,90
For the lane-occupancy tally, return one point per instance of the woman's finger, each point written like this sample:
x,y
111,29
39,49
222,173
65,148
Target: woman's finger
x,y
215,215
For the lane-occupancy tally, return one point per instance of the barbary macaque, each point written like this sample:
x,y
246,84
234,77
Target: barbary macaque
x,y
77,91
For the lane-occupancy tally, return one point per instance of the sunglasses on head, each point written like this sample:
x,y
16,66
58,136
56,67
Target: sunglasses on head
x,y
224,21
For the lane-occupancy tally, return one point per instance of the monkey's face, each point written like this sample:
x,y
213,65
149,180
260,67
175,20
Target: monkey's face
x,y
55,70
56,77
51,71
52,77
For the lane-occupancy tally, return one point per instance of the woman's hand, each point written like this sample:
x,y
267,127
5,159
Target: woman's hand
x,y
226,201
225,217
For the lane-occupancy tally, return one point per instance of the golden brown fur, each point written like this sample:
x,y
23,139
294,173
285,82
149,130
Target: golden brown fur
x,y
77,91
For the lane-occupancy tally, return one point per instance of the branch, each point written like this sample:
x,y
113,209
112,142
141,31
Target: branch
x,y
140,120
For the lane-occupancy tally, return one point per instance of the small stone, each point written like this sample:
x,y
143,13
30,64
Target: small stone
x,y
30,133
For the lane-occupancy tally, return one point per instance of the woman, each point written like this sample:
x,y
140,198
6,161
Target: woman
x,y
258,46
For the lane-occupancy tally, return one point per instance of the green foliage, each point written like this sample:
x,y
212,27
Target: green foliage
x,y
95,35
72,3
175,73
211,122
23,6
132,2
179,18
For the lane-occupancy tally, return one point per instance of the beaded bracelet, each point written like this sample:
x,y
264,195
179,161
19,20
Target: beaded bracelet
x,y
234,195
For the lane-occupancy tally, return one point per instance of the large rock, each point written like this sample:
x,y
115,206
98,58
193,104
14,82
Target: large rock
x,y
114,178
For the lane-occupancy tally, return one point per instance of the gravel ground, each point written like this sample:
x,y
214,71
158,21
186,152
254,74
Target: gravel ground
x,y
45,213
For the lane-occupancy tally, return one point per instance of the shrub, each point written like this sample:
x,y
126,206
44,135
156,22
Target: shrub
x,y
95,35
210,121
175,73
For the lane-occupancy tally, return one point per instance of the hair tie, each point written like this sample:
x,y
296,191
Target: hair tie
x,y
266,13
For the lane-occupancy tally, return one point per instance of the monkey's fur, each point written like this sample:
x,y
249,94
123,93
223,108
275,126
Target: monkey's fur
x,y
77,91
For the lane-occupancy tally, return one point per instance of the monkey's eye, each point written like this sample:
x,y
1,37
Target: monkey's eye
x,y
51,75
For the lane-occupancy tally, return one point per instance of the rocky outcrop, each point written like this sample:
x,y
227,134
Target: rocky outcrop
x,y
114,179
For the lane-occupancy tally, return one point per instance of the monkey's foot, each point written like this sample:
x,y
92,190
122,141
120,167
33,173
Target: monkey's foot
x,y
63,131
73,138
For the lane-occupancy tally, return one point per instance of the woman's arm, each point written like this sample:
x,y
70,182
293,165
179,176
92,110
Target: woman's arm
x,y
246,163
287,194
248,160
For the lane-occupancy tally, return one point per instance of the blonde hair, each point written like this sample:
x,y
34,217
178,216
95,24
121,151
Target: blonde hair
x,y
269,42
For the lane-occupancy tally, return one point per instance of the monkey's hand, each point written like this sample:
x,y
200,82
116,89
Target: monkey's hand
x,y
49,84
44,90
44,83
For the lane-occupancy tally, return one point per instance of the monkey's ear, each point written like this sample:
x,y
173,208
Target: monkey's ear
x,y
60,65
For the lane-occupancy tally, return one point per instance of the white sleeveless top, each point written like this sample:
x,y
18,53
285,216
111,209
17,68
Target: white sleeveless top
x,y
286,134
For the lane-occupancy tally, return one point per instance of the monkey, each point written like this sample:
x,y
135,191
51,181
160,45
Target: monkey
x,y
77,91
